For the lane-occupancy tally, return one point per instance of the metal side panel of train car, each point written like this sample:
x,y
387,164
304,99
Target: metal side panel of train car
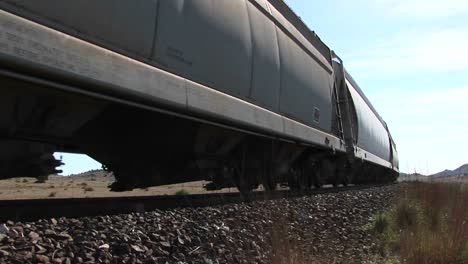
x,y
208,42
305,86
127,26
372,135
34,45
232,46
266,78
306,76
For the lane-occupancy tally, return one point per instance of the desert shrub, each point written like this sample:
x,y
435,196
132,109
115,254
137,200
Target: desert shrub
x,y
52,194
25,180
182,192
88,189
381,223
406,215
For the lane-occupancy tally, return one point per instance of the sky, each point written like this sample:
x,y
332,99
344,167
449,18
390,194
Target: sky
x,y
410,57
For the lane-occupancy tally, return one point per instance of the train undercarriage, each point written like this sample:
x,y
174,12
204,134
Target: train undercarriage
x,y
149,148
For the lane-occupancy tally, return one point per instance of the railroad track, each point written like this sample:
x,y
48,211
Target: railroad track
x,y
33,209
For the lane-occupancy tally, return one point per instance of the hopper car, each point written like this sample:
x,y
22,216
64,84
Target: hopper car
x,y
235,92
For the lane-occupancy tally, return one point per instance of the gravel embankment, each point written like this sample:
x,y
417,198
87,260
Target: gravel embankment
x,y
323,228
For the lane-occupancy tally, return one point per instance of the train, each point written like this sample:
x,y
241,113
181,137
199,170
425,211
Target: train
x,y
239,93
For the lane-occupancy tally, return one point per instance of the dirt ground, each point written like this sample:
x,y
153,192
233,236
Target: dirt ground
x,y
94,184
89,184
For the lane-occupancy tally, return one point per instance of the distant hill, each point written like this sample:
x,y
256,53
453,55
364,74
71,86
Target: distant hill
x,y
461,171
402,174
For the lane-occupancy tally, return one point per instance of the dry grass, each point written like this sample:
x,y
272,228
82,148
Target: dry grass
x,y
429,224
285,249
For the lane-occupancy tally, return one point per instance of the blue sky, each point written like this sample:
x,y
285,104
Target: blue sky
x,y
411,59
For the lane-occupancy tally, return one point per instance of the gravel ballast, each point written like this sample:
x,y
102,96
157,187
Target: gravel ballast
x,y
321,228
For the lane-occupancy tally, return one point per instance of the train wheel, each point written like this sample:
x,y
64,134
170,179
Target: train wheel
x,y
318,180
340,177
336,182
244,188
269,180
359,174
345,180
394,177
293,180
306,179
306,182
241,176
269,184
326,171
300,179
243,184
309,174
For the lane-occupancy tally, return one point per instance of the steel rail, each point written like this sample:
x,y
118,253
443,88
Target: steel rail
x,y
33,209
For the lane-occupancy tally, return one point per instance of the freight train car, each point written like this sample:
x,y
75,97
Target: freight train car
x,y
237,92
